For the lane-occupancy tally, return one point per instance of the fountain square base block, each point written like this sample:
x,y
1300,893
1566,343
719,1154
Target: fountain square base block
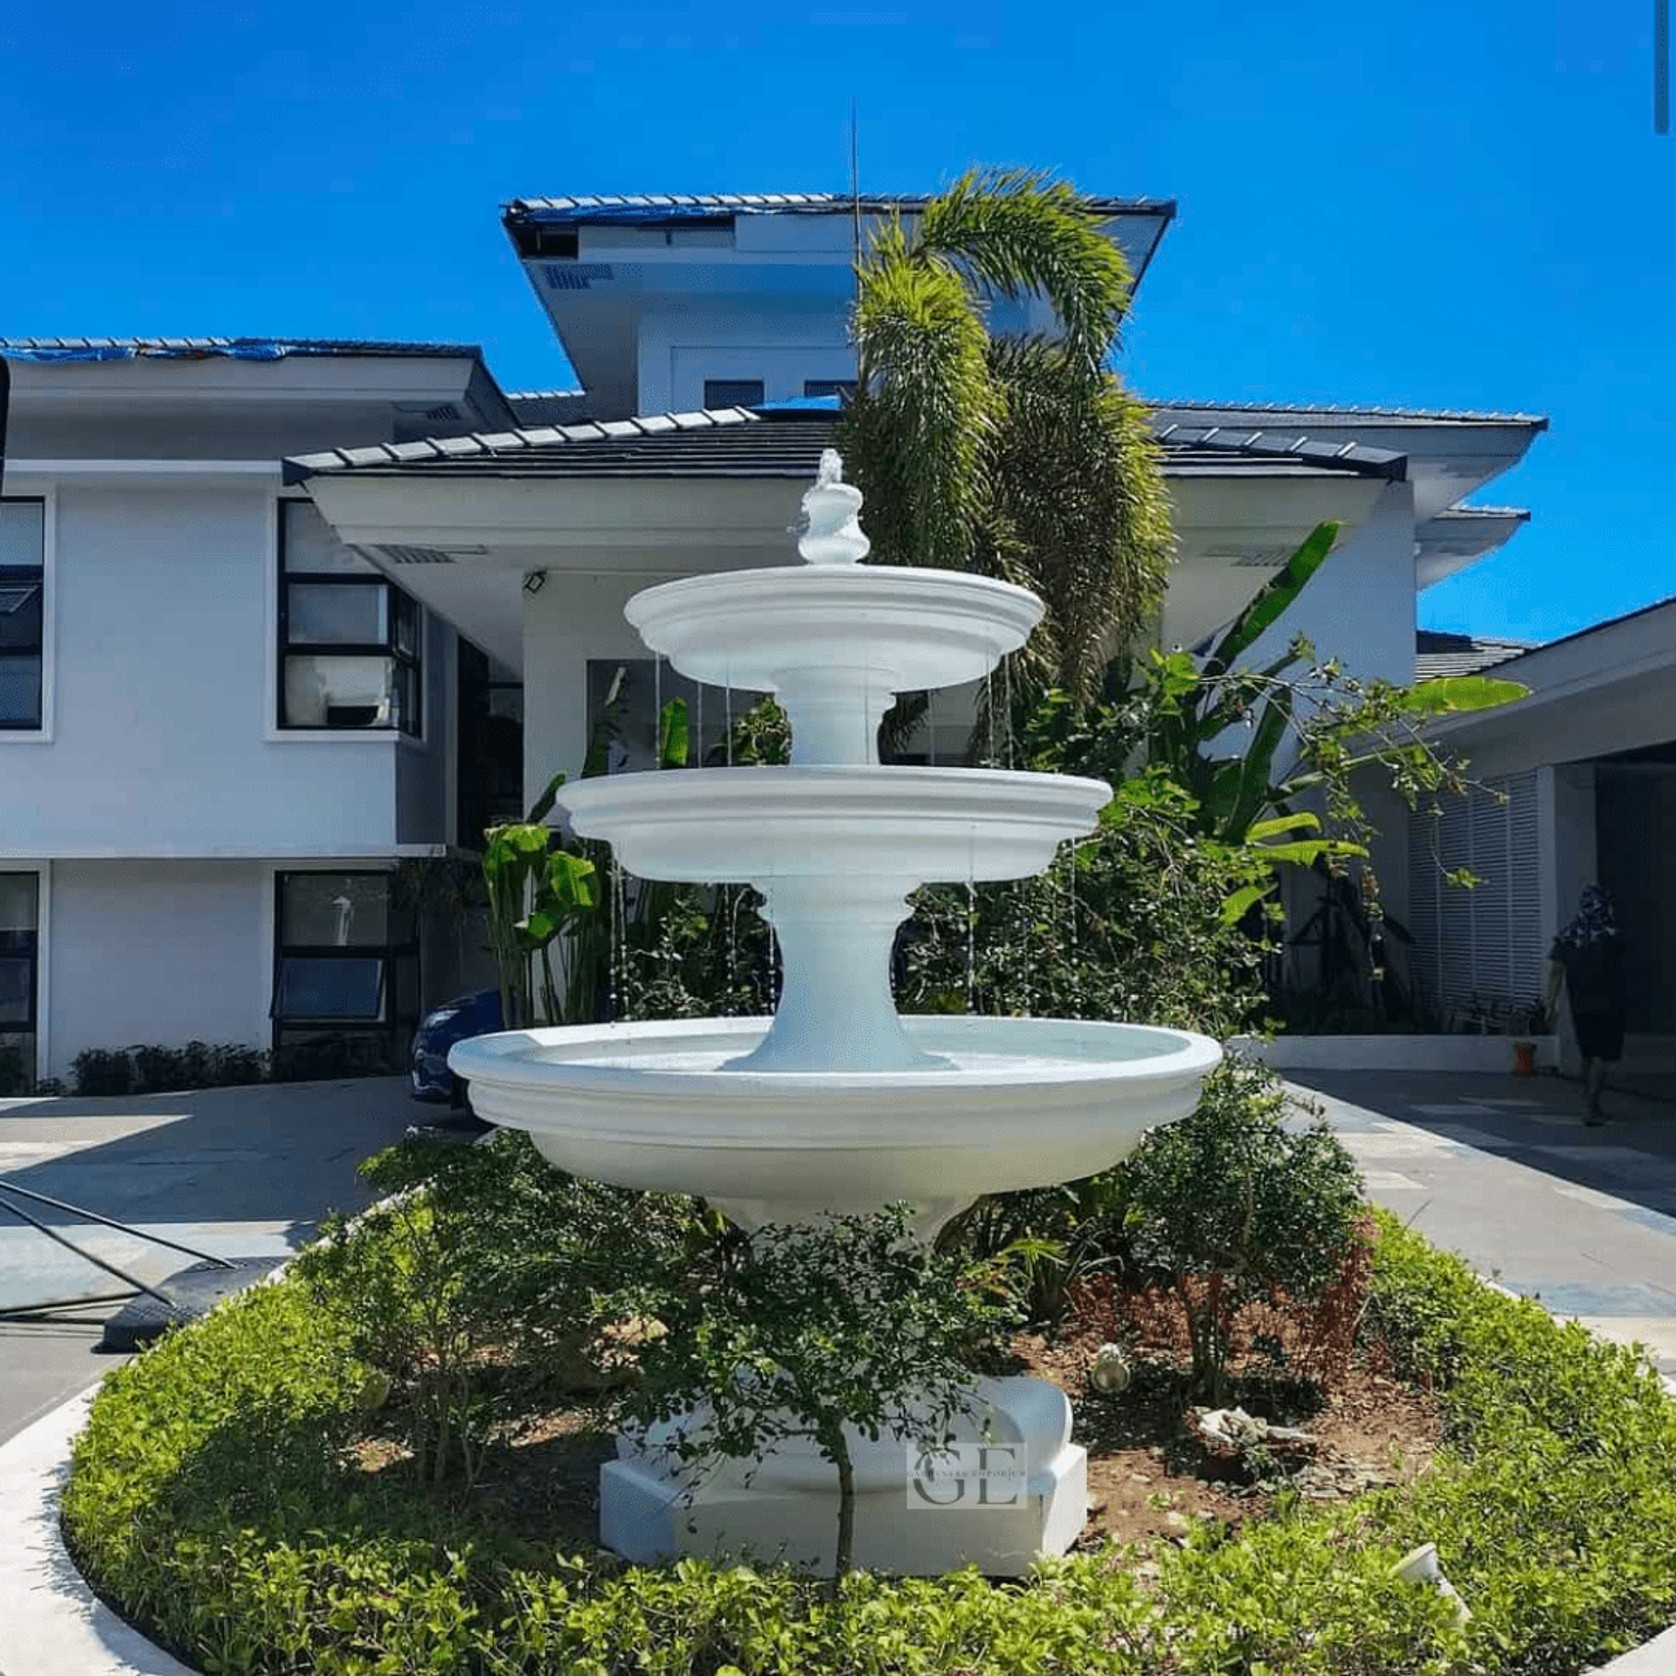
x,y
786,1509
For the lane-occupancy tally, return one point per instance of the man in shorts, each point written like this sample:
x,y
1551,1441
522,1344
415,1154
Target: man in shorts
x,y
1588,958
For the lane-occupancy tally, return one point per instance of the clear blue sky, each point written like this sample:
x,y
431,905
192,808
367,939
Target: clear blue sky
x,y
1429,203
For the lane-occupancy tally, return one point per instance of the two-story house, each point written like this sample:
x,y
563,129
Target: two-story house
x,y
221,730
709,333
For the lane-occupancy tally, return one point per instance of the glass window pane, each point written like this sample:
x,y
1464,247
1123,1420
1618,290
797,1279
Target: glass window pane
x,y
22,532
406,687
331,690
322,987
350,614
308,542
404,613
334,910
733,392
20,691
18,897
20,609
17,990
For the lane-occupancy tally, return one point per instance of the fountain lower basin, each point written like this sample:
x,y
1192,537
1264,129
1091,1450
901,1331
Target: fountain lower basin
x,y
1004,1103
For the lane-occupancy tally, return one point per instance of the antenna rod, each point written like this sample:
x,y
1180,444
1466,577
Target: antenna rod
x,y
855,177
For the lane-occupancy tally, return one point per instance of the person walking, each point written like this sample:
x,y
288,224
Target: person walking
x,y
1588,958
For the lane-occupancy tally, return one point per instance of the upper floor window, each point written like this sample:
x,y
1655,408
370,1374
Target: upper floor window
x,y
349,641
22,621
844,387
733,392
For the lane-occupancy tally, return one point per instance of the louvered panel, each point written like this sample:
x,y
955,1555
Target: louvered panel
x,y
1457,972
1524,899
1424,884
1492,952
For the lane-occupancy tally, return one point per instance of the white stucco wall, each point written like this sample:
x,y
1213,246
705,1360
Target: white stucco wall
x,y
163,739
156,952
681,346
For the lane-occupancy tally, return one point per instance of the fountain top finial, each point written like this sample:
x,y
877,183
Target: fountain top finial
x,y
832,532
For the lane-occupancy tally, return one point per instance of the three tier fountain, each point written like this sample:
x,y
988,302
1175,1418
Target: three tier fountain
x,y
837,1104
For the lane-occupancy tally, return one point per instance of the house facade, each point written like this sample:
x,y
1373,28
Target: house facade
x,y
221,731
282,623
711,337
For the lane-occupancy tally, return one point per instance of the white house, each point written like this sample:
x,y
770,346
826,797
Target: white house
x,y
1578,786
702,326
220,730
234,699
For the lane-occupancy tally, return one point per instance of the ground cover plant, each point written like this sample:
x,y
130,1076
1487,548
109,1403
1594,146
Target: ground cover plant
x,y
251,1492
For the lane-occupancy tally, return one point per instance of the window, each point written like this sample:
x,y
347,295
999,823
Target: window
x,y
348,640
844,387
733,392
19,972
22,621
346,969
489,746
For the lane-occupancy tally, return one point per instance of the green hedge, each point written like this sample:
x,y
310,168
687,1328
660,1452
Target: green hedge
x,y
207,1500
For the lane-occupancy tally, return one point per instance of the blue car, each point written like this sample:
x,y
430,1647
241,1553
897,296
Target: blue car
x,y
454,1021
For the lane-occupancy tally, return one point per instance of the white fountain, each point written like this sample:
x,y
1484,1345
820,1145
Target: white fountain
x,y
837,1104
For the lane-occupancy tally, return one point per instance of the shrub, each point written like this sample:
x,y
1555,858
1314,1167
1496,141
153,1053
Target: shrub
x,y
209,1498
482,1266
810,1332
1230,1204
103,1071
14,1071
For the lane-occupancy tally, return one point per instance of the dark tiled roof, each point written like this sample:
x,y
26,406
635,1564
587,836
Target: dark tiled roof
x,y
243,349
1348,413
735,442
1438,654
660,206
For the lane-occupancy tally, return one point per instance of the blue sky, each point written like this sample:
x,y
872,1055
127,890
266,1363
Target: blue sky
x,y
1430,204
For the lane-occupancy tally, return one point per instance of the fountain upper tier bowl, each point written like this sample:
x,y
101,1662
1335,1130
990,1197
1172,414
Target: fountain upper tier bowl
x,y
835,642
913,628
1008,1103
881,828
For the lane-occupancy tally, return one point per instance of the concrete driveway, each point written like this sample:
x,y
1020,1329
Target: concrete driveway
x,y
234,1172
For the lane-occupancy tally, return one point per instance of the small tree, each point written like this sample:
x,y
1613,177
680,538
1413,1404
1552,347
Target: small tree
x,y
1229,1204
804,1331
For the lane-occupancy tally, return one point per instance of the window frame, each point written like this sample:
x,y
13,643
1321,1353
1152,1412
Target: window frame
x,y
33,1027
842,388
760,385
407,666
389,953
40,574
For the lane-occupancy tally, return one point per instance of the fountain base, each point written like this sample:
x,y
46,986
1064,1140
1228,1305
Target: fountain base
x,y
911,1517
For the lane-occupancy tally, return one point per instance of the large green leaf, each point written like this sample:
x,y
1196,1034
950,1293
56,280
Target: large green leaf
x,y
1255,791
1273,599
674,742
573,880
1454,694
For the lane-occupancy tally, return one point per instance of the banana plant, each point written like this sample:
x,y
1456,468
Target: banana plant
x,y
549,936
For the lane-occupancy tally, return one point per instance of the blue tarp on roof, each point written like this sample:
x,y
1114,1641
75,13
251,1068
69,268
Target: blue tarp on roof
x,y
50,350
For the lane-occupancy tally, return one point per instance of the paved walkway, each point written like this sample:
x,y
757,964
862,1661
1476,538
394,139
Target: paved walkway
x,y
236,1172
1502,1170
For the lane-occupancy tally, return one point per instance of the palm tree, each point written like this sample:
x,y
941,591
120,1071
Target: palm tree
x,y
1022,457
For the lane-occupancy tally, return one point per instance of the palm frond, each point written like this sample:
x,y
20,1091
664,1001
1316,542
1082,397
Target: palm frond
x,y
1018,232
1079,509
916,430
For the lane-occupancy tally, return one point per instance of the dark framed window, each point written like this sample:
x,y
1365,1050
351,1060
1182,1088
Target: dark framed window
x,y
349,641
346,970
20,971
489,746
22,613
733,392
844,387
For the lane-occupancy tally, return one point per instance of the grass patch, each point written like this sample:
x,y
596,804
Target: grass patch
x,y
216,1499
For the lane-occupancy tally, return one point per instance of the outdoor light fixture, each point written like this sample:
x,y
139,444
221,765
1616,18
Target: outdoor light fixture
x,y
535,581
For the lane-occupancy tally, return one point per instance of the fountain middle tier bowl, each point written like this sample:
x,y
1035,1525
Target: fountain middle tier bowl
x,y
1012,1102
907,628
899,825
